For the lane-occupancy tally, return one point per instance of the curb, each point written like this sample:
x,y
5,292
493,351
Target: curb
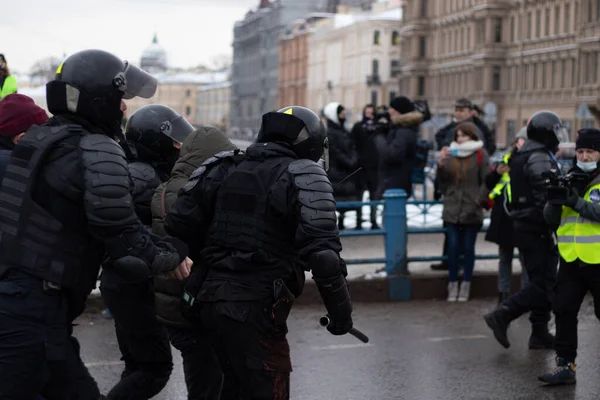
x,y
424,286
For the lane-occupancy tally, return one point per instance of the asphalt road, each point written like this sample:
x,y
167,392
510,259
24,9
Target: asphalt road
x,y
418,351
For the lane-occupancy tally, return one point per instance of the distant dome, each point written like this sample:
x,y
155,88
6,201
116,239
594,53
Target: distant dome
x,y
154,57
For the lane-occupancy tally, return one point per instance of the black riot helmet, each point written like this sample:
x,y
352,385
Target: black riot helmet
x,y
547,128
299,127
92,83
154,130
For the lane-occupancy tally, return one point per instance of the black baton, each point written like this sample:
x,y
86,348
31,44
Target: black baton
x,y
324,321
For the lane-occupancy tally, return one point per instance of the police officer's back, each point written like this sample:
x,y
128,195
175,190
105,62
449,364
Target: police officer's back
x,y
260,220
533,236
156,132
65,205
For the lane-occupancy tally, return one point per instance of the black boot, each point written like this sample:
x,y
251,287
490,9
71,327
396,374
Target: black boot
x,y
541,338
443,266
498,321
502,296
563,374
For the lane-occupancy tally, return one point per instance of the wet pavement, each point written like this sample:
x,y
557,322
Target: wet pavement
x,y
420,350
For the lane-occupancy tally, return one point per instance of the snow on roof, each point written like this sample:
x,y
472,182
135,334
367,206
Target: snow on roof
x,y
217,85
192,78
343,20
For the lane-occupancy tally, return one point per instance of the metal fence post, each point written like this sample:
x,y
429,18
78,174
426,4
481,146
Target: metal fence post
x,y
394,220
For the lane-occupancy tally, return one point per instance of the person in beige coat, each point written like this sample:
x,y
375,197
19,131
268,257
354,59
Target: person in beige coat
x,y
462,169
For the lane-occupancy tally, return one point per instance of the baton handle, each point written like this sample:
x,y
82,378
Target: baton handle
x,y
325,321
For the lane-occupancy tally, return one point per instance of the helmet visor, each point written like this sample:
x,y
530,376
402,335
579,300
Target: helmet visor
x,y
177,129
562,133
135,82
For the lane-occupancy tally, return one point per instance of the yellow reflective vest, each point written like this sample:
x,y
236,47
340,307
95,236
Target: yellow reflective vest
x,y
504,182
9,86
579,238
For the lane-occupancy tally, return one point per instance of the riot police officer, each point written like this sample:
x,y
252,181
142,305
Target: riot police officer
x,y
65,205
533,236
259,221
156,132
576,216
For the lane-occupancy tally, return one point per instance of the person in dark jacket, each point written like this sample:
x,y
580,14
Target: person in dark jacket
x,y
343,158
17,114
203,375
500,230
533,235
363,133
398,147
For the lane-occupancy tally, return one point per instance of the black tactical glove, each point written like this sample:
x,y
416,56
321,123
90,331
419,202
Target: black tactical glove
x,y
336,297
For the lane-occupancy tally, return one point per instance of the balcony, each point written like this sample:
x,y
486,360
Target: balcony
x,y
373,80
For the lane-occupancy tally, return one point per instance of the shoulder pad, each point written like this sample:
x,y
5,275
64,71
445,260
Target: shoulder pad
x,y
198,172
308,175
103,155
299,167
315,194
142,172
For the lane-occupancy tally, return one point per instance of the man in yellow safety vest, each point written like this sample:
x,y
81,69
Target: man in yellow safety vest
x,y
577,218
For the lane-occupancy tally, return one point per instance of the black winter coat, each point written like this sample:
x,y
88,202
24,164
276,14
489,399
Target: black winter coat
x,y
343,160
500,230
5,150
398,153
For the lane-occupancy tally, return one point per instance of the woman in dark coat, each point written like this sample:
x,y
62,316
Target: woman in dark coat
x,y
500,230
343,157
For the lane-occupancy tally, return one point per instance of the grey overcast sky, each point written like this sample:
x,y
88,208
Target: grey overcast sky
x,y
191,31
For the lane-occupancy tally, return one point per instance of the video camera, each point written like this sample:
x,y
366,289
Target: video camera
x,y
561,187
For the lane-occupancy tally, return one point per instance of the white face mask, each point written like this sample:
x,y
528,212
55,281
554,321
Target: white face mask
x,y
587,166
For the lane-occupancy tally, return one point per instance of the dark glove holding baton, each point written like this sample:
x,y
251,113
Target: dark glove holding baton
x,y
334,329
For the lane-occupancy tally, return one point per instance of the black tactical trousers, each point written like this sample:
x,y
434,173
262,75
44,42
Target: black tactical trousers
x,y
143,341
203,375
254,354
38,355
573,282
540,257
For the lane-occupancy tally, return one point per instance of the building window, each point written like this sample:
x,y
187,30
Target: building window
x,y
374,97
587,124
498,30
480,32
538,23
188,111
543,75
554,71
394,68
567,18
421,86
512,29
392,96
529,24
496,77
568,124
557,19
422,46
563,78
597,10
375,67
395,38
376,37
511,130
423,8
188,93
547,22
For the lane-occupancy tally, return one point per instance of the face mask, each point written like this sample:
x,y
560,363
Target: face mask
x,y
587,166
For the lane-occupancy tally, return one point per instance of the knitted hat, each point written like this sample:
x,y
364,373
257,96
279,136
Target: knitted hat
x,y
402,104
522,134
18,113
588,139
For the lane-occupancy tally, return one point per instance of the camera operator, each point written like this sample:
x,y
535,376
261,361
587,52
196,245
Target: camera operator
x,y
533,236
573,208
